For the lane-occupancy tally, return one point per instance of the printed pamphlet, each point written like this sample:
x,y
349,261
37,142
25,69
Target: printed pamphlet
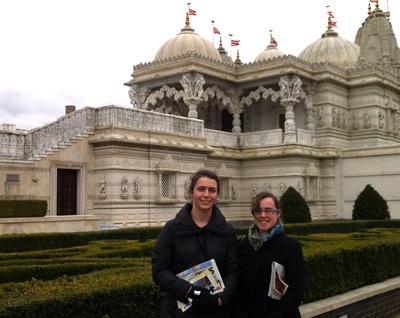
x,y
204,275
277,285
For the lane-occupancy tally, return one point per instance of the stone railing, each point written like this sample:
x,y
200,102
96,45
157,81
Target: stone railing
x,y
59,131
15,143
304,137
216,137
138,118
20,144
261,138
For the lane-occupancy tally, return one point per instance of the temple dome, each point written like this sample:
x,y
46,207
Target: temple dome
x,y
186,41
333,49
269,53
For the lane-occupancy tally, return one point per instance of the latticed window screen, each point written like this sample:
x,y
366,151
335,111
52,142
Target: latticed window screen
x,y
12,177
165,185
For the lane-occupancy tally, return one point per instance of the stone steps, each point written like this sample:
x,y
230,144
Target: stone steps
x,y
38,155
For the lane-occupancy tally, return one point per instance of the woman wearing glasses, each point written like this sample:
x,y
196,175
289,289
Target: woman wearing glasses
x,y
266,243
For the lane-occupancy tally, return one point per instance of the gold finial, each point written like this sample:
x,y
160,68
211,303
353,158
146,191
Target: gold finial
x,y
329,23
220,41
187,19
238,54
377,4
369,9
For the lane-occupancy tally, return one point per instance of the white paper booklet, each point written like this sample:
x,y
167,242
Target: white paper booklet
x,y
204,275
277,285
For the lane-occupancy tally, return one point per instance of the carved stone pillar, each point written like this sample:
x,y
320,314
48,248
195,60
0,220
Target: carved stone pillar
x,y
237,129
193,89
290,127
160,185
290,91
308,190
310,109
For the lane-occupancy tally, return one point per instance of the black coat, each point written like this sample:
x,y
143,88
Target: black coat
x,y
181,245
251,299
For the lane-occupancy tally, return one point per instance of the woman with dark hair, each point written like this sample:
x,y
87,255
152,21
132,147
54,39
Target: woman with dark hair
x,y
266,243
197,234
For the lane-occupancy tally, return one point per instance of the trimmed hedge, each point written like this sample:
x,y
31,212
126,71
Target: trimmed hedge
x,y
22,208
46,241
48,265
331,227
108,293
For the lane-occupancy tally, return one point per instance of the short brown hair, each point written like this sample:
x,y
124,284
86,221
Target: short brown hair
x,y
255,204
203,174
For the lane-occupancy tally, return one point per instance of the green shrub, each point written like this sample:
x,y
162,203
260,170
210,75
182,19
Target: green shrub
x,y
22,208
370,205
295,208
44,241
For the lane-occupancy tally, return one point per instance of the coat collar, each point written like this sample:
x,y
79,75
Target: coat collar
x,y
184,224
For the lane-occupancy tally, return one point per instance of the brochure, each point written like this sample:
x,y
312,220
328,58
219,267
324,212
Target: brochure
x,y
205,275
277,285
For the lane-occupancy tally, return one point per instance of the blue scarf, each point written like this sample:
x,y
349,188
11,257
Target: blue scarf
x,y
257,240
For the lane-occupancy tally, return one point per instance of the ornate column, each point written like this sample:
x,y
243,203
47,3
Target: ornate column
x,y
308,190
193,90
290,126
310,109
237,129
138,96
288,100
159,184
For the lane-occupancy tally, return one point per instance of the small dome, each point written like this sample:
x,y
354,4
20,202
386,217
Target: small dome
x,y
269,53
333,49
186,41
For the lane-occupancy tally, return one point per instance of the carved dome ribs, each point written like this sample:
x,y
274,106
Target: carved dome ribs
x,y
332,48
187,41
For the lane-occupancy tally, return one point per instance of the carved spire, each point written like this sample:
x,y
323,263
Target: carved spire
x,y
238,61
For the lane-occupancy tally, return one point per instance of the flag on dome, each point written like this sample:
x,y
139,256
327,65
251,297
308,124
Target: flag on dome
x,y
330,14
373,0
216,30
192,12
273,41
235,42
333,24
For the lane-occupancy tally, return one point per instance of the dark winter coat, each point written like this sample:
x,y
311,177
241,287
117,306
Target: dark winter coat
x,y
181,245
251,299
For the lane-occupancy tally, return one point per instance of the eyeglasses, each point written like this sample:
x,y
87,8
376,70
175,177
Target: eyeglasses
x,y
266,211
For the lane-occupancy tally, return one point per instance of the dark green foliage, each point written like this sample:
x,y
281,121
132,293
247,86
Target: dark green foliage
x,y
22,208
295,208
331,227
370,205
45,241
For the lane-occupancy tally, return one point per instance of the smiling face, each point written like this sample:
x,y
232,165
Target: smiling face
x,y
266,222
204,195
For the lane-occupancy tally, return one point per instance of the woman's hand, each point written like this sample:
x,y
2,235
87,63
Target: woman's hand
x,y
206,302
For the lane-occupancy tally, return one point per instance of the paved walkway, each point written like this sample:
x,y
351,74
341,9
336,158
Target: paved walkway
x,y
325,305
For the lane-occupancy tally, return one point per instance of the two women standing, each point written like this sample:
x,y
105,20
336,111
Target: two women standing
x,y
199,232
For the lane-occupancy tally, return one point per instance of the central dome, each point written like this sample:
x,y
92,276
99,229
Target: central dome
x,y
186,41
333,49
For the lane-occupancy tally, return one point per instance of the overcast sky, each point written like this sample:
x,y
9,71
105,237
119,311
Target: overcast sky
x,y
80,52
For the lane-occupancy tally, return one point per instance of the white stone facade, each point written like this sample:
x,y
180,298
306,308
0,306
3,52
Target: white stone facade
x,y
325,129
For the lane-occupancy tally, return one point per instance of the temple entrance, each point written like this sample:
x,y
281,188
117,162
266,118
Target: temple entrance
x,y
67,191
